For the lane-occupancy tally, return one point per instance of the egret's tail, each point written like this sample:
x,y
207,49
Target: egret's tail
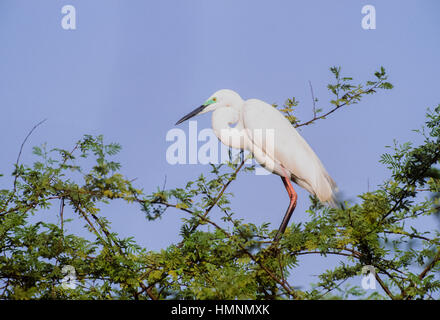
x,y
326,190
322,186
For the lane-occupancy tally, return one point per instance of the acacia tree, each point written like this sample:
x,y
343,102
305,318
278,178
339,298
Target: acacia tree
x,y
232,258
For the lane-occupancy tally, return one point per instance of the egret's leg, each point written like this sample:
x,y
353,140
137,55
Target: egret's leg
x,y
292,205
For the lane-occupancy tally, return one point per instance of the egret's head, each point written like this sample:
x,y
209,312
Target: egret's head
x,y
222,98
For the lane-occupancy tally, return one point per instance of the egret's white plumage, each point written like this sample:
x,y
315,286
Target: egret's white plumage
x,y
275,143
290,153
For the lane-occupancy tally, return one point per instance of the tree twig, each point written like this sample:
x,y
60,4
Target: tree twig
x,y
338,106
313,99
18,161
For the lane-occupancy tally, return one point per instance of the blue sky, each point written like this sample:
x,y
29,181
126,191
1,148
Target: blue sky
x,y
131,69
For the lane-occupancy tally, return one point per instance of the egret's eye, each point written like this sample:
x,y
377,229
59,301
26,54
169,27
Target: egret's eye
x,y
214,99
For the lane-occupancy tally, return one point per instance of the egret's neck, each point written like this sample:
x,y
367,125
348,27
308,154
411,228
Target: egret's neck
x,y
222,119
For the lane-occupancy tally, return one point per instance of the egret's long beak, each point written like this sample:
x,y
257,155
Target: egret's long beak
x,y
192,114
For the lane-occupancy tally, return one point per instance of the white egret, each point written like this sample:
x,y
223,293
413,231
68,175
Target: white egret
x,y
283,152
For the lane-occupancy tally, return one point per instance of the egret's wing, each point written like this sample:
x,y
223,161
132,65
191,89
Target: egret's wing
x,y
286,147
